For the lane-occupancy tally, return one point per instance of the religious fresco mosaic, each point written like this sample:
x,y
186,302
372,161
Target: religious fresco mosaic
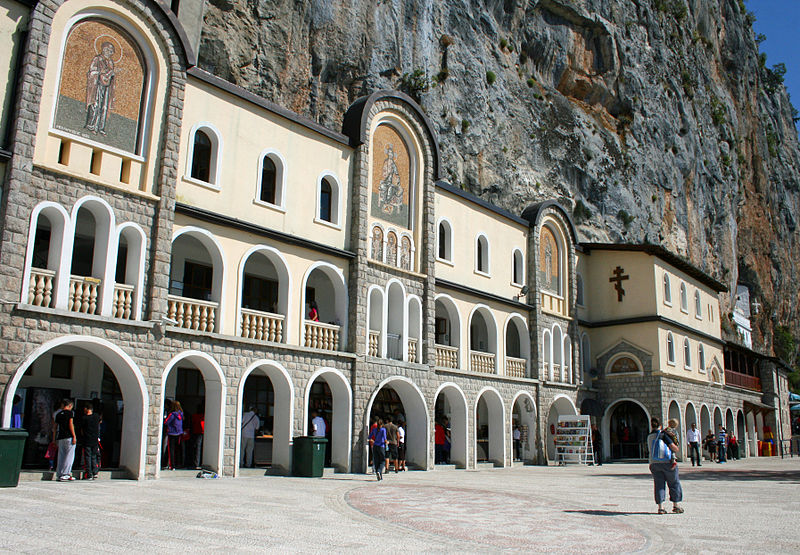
x,y
391,177
548,266
102,84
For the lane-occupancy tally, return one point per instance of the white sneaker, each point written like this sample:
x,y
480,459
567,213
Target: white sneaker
x,y
67,478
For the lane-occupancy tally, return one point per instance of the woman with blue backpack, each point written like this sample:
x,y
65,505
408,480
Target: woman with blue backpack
x,y
664,468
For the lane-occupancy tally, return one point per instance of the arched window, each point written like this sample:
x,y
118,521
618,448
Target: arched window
x,y
376,252
579,286
445,241
328,201
391,248
670,349
667,290
517,269
547,355
684,298
701,357
271,178
687,354
482,254
698,306
268,180
201,156
406,257
204,154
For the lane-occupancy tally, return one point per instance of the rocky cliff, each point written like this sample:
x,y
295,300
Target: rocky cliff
x,y
651,120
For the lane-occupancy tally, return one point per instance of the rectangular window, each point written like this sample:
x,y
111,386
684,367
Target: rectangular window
x,y
197,280
61,367
82,255
122,264
260,294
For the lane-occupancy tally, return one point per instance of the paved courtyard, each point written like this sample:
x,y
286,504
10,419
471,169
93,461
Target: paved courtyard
x,y
745,506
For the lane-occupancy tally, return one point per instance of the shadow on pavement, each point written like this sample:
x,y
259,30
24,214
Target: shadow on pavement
x,y
603,512
724,475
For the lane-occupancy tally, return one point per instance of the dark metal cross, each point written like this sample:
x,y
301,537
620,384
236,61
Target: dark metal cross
x,y
617,281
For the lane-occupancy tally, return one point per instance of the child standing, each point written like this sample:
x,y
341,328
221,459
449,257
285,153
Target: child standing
x,y
90,442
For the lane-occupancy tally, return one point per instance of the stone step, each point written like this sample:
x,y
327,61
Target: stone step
x,y
445,467
50,476
484,466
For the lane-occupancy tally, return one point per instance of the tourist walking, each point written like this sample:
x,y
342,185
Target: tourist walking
x,y
391,442
64,437
377,441
250,423
664,468
722,444
693,438
90,442
174,426
710,443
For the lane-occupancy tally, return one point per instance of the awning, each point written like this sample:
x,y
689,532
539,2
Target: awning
x,y
794,397
757,407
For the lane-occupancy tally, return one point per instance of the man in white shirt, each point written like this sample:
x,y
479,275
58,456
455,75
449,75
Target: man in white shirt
x,y
693,437
250,423
318,425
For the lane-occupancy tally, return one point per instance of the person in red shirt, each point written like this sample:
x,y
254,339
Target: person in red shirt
x,y
439,439
198,428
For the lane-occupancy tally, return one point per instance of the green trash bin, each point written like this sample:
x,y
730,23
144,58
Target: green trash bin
x,y
12,445
308,456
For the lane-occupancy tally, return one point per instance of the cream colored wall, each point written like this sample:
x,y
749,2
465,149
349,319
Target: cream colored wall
x,y
709,322
247,131
468,220
601,297
501,314
49,140
235,244
712,351
644,336
13,20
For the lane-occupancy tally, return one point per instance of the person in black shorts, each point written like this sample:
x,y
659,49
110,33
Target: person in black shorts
x,y
391,441
89,426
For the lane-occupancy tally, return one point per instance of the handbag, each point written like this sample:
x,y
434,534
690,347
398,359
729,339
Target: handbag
x,y
50,454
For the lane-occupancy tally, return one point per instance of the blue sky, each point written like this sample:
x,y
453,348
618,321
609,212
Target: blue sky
x,y
779,20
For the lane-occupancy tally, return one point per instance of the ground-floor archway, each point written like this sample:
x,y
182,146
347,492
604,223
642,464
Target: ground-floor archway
x,y
401,399
451,404
265,387
561,406
329,396
490,444
718,420
626,424
105,367
705,421
741,434
195,380
523,424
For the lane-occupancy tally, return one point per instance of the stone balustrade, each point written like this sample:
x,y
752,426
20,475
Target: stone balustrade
x,y
515,367
192,314
374,348
83,295
552,303
123,301
40,288
446,356
412,350
263,326
321,336
482,362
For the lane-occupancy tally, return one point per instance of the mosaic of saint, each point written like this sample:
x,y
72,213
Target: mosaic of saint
x,y
623,365
548,267
102,83
391,177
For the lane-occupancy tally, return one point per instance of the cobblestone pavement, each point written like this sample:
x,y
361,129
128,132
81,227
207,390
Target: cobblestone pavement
x,y
743,506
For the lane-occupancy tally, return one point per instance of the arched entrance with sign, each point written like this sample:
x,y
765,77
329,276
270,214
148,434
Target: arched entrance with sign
x,y
626,425
561,406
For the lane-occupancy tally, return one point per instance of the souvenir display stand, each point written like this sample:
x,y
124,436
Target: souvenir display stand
x,y
573,440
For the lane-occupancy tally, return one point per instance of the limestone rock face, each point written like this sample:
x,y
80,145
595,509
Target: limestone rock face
x,y
649,119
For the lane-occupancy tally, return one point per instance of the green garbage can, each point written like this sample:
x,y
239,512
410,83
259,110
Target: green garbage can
x,y
308,456
12,445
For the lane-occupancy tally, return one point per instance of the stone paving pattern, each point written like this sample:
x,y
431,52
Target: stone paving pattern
x,y
745,506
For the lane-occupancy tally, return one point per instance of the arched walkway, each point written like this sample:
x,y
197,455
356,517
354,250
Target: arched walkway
x,y
741,434
718,421
131,384
267,386
337,412
490,437
179,382
561,406
411,405
263,296
626,423
705,426
523,416
674,412
451,402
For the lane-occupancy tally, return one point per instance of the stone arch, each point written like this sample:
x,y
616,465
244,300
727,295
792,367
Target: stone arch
x,y
417,420
705,420
376,345
131,382
459,422
606,422
414,312
281,266
396,320
451,337
496,451
476,337
342,422
215,387
283,417
674,411
44,290
560,406
528,416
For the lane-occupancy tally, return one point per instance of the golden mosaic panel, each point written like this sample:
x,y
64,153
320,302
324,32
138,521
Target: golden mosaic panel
x,y
391,177
547,265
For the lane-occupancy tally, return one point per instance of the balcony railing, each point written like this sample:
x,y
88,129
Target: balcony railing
x,y
374,347
321,336
412,350
481,362
552,303
192,314
446,356
742,380
557,377
83,294
515,367
40,288
123,301
263,326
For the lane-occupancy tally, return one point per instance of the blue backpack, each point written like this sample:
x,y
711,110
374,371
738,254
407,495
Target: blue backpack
x,y
659,451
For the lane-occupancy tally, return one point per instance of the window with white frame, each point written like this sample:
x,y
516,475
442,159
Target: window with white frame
x,y
444,249
667,290
684,299
687,354
482,254
271,178
701,357
328,200
517,268
204,155
670,349
698,306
